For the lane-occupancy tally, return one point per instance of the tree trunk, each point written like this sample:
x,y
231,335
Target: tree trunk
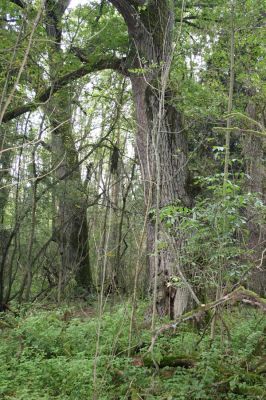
x,y
173,187
161,143
5,179
117,281
71,230
254,154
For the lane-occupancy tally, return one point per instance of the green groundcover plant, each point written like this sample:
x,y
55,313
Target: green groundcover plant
x,y
51,355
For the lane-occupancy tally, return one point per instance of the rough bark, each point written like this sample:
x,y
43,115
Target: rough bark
x,y
150,31
254,156
173,185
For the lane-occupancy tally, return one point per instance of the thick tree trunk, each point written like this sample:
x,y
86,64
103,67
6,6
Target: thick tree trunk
x,y
173,187
71,230
254,155
161,143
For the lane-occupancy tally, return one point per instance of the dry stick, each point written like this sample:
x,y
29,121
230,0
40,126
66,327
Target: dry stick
x,y
238,295
261,260
164,81
115,188
24,61
33,142
140,247
244,275
148,203
38,178
104,245
16,217
94,147
105,239
121,236
22,217
157,217
34,179
33,217
95,392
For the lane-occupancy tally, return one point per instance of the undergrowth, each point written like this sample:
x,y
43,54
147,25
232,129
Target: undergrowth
x,y
50,354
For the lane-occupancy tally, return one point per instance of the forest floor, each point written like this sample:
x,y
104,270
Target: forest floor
x,y
69,352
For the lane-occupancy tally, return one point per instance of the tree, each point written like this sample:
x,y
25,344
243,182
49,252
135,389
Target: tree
x,y
161,144
70,228
160,140
139,42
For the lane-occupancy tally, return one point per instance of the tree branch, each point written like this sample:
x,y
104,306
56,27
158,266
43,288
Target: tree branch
x,y
136,28
131,17
128,12
108,63
238,295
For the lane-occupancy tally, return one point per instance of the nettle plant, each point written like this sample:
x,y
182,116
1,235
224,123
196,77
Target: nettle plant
x,y
214,234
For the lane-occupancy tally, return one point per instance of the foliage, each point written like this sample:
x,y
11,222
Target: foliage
x,y
89,123
215,233
50,355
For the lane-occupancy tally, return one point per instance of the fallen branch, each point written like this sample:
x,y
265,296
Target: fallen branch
x,y
171,361
238,295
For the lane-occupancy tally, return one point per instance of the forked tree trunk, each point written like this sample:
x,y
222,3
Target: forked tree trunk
x,y
150,27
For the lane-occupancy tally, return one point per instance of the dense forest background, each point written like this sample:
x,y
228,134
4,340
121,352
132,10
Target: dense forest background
x,y
132,199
